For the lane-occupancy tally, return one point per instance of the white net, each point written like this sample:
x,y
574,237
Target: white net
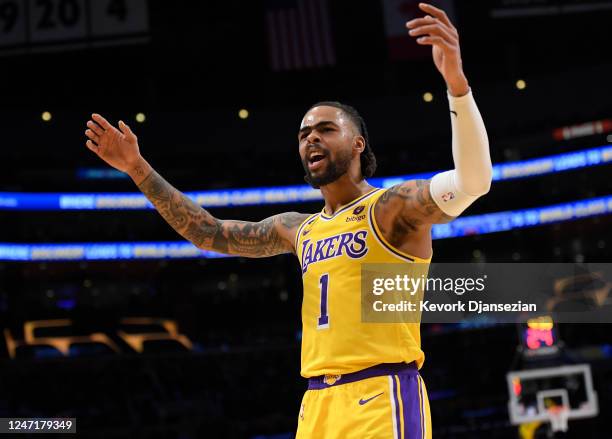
x,y
558,418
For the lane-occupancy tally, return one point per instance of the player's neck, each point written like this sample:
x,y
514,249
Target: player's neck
x,y
343,191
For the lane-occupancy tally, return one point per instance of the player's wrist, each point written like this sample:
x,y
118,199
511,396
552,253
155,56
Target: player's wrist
x,y
139,169
458,86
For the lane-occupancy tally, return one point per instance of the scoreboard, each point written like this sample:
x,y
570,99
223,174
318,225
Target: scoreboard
x,y
43,25
530,8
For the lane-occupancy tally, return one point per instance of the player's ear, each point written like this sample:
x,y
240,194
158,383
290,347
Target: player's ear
x,y
359,144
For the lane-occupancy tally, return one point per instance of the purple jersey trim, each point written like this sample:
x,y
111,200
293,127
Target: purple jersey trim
x,y
348,206
380,239
318,383
308,220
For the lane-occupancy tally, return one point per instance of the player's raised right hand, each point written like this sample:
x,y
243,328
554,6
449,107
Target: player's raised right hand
x,y
117,147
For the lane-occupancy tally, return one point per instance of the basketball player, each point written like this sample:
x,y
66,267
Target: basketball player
x,y
363,377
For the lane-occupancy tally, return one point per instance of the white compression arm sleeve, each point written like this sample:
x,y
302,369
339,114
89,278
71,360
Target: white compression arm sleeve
x,y
453,191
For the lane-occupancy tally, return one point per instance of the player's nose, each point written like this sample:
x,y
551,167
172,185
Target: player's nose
x,y
313,137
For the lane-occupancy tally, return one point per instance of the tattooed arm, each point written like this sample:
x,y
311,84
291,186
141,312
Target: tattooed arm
x,y
411,204
405,213
272,236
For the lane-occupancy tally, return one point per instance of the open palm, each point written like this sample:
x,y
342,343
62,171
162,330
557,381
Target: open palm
x,y
446,63
117,147
435,29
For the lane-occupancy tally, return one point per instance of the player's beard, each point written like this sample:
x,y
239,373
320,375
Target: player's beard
x,y
334,170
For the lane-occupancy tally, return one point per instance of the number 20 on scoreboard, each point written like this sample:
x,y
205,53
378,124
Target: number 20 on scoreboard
x,y
38,24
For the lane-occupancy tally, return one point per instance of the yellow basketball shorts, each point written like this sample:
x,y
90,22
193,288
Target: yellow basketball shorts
x,y
387,401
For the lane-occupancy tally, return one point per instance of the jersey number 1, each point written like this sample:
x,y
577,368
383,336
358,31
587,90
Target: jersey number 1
x,y
323,321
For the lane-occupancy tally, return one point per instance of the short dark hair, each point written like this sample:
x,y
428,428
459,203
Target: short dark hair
x,y
368,160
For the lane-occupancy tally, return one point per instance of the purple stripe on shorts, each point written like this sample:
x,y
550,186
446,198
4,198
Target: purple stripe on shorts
x,y
397,409
421,413
409,369
411,399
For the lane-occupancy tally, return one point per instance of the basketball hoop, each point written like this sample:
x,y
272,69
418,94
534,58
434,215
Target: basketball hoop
x,y
558,417
549,395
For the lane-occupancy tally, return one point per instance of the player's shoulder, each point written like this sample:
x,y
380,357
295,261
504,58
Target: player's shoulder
x,y
288,224
397,195
402,204
291,220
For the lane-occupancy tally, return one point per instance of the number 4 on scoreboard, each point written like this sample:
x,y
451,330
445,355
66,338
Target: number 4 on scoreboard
x,y
119,17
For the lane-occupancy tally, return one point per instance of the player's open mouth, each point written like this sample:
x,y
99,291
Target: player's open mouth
x,y
316,160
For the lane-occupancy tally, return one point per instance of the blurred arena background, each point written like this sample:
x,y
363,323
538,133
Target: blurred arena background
x,y
108,318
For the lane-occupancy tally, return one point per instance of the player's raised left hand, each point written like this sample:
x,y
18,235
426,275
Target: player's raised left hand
x,y
117,147
436,30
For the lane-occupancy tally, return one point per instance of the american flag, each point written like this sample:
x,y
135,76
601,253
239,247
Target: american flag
x,y
299,34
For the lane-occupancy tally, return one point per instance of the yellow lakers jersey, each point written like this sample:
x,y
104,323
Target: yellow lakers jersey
x,y
331,250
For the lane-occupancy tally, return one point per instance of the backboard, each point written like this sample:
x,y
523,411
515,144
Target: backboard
x,y
536,394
